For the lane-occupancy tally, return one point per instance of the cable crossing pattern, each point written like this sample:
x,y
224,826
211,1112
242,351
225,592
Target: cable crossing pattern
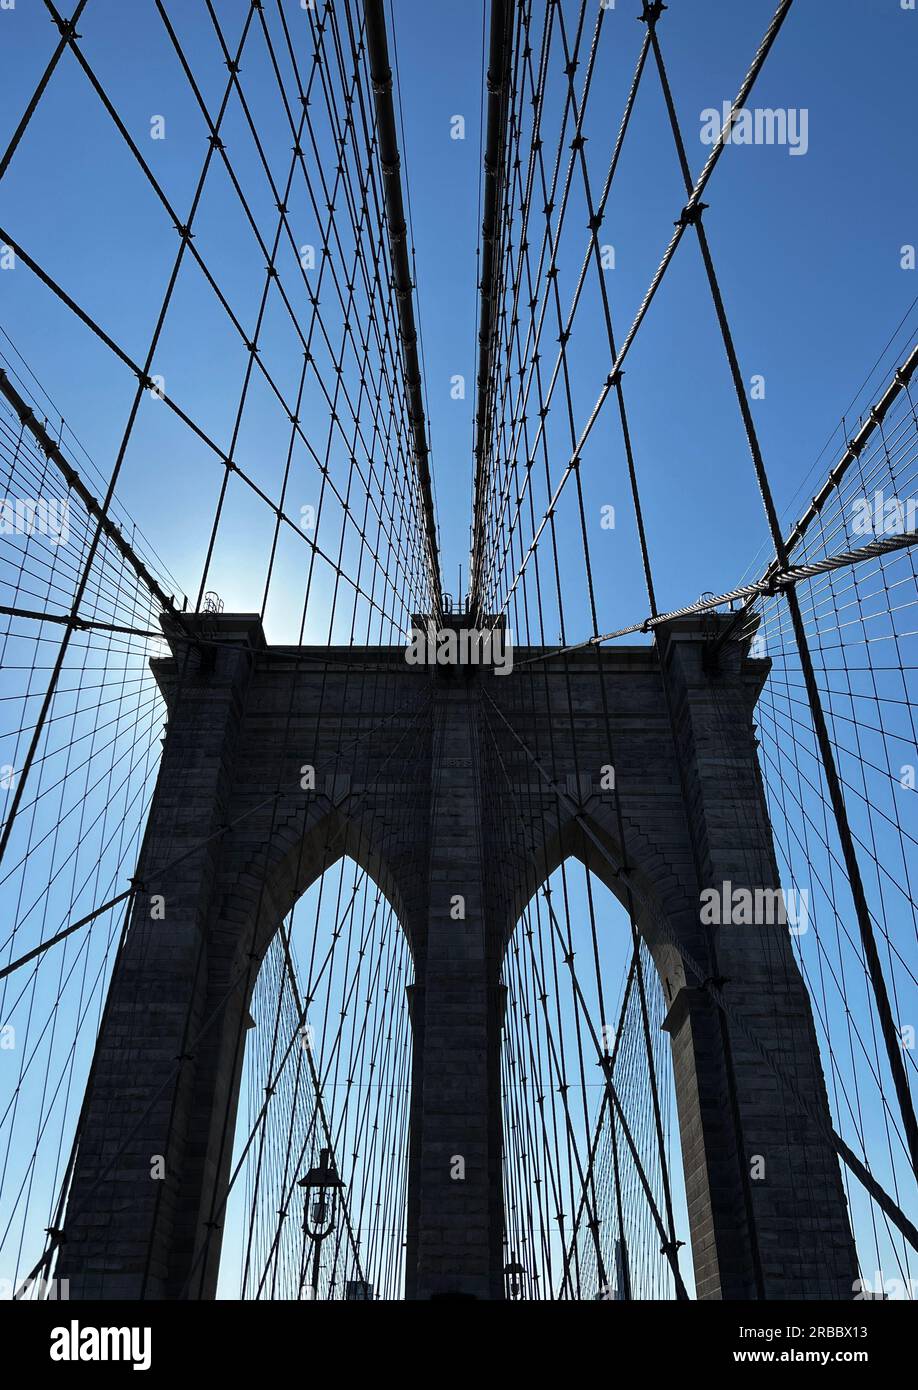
x,y
316,446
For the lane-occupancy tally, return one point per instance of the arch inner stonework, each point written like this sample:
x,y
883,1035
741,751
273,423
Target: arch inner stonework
x,y
454,787
328,1016
579,1165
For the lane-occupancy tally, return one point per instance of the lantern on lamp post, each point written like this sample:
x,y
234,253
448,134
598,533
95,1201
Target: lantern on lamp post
x,y
322,1186
515,1274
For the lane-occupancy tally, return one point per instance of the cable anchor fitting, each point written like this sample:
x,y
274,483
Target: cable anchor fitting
x,y
690,215
66,28
651,12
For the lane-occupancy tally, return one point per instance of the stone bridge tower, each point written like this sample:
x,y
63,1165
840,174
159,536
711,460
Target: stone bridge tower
x,y
528,798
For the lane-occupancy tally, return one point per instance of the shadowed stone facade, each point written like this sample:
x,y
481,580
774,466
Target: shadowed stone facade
x,y
430,779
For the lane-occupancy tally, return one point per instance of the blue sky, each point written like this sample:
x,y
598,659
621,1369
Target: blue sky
x,y
808,249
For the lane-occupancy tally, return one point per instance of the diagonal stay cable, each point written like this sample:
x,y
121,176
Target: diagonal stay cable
x,y
861,1172
137,887
689,215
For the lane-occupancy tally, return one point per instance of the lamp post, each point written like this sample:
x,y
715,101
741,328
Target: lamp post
x,y
322,1185
515,1274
